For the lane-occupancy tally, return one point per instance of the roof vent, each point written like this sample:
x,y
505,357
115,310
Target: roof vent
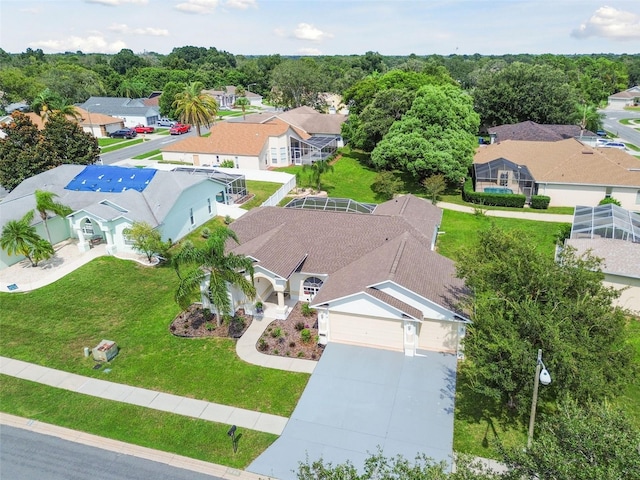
x,y
587,152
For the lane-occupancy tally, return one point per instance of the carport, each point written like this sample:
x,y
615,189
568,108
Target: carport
x,y
359,399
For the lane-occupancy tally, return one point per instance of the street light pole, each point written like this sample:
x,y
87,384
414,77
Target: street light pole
x,y
542,376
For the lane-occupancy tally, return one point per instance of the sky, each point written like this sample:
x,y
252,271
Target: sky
x,y
323,27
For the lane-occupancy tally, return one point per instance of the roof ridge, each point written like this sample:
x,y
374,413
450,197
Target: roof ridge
x,y
398,256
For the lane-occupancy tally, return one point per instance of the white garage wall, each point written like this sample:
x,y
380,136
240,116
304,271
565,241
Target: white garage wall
x,y
428,308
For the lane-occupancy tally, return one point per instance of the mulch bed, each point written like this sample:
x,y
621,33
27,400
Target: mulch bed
x,y
285,338
197,322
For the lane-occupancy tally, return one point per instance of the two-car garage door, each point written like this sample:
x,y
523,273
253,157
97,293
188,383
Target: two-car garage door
x,y
365,331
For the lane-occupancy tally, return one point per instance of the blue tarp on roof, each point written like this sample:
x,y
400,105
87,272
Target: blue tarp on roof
x,y
108,178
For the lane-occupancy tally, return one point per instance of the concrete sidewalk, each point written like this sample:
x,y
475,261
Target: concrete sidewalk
x,y
166,402
123,448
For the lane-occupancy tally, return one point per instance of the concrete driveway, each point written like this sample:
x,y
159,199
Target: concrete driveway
x,y
359,399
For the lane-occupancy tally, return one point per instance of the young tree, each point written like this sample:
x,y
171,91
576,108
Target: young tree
x,y
212,266
435,186
243,102
194,107
523,301
296,83
318,169
386,185
45,203
146,239
594,442
19,237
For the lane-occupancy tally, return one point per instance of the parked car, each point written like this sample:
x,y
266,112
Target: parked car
x,y
600,142
618,145
179,129
166,122
143,129
601,133
123,133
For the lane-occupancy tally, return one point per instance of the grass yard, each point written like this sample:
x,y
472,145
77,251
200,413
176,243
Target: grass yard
x,y
133,305
261,190
168,432
111,144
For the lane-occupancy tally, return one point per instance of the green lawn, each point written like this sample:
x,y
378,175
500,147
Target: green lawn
x,y
261,191
457,199
133,305
201,439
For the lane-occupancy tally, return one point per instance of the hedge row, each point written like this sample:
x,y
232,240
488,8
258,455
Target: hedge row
x,y
492,199
541,202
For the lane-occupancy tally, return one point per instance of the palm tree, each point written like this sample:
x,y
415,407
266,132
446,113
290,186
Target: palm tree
x,y
194,107
20,237
211,266
243,102
45,203
48,102
318,169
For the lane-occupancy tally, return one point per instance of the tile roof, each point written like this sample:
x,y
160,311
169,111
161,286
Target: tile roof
x,y
532,131
566,162
355,250
96,118
229,138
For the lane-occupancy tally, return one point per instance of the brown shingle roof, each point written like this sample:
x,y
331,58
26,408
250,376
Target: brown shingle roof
x,y
355,250
566,161
532,131
229,138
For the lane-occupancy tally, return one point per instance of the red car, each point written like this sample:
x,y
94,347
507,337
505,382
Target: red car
x,y
142,129
179,129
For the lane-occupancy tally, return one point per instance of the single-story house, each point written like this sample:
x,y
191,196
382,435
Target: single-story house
x,y
323,127
568,171
536,132
611,233
255,146
107,199
132,112
98,124
374,278
228,95
626,98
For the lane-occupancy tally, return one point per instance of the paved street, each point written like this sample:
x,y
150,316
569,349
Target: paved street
x,y
625,133
26,455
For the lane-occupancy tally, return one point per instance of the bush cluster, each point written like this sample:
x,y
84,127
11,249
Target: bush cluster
x,y
493,199
540,202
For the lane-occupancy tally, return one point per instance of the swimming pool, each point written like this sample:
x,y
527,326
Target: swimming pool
x,y
501,190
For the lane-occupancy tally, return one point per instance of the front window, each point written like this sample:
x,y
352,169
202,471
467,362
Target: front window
x,y
87,227
191,216
311,286
209,205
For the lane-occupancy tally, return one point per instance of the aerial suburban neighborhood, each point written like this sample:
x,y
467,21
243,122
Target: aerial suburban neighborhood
x,y
299,266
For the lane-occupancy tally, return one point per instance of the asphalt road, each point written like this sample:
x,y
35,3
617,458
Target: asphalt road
x,y
626,133
154,142
26,455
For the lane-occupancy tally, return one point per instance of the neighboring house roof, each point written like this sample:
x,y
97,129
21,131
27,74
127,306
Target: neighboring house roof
x,y
357,251
247,139
566,162
628,94
532,131
305,118
119,107
619,257
152,205
96,118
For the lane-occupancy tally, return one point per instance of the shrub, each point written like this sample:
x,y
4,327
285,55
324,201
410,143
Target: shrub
x,y
299,325
228,163
305,335
493,199
292,344
205,232
276,332
307,311
608,200
263,345
540,202
228,220
300,354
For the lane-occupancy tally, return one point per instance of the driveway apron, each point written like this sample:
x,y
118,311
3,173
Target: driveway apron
x,y
359,400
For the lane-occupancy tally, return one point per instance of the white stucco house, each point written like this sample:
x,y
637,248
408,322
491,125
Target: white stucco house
x,y
373,277
626,98
106,200
612,234
568,171
131,111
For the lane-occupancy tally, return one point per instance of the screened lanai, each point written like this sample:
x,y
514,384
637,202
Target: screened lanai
x,y
304,152
331,204
606,221
503,176
235,184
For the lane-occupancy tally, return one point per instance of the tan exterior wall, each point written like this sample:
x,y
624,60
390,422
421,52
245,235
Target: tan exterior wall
x,y
629,298
438,336
588,195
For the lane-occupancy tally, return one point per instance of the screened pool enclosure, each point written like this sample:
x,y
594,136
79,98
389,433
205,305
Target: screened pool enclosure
x,y
331,204
606,221
503,176
235,184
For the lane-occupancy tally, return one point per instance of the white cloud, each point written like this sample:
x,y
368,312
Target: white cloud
x,y
32,11
241,4
309,51
148,31
115,3
198,6
94,43
306,31
608,22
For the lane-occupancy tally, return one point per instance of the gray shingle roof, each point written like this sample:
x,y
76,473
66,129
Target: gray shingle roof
x,y
532,131
355,250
